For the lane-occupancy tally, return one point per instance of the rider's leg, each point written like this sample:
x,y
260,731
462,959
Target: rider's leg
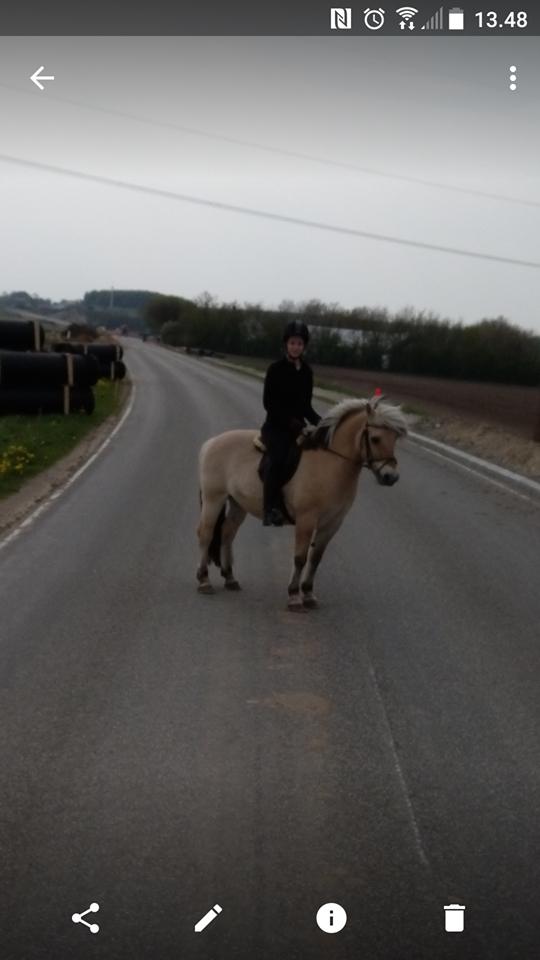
x,y
277,446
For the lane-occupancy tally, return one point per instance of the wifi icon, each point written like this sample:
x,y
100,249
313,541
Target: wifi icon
x,y
406,15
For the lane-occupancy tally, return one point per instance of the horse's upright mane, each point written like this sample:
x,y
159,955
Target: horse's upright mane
x,y
380,415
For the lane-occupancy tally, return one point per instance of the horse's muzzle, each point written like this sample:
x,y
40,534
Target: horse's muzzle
x,y
388,479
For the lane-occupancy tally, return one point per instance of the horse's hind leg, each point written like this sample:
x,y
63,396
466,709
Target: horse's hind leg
x,y
304,531
235,517
210,516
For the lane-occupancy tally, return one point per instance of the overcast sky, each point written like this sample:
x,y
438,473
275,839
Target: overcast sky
x,y
436,109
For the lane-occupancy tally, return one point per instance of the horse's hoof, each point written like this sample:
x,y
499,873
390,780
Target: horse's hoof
x,y
310,603
232,585
205,588
296,606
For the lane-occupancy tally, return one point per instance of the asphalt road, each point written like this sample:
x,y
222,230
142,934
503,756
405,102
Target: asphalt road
x,y
162,751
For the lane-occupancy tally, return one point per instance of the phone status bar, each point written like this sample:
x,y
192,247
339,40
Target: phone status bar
x,y
243,18
409,20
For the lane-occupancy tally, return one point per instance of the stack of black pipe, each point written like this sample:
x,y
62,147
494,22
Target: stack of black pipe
x,y
21,335
46,382
108,356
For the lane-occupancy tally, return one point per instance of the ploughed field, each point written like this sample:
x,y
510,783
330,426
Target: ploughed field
x,y
505,405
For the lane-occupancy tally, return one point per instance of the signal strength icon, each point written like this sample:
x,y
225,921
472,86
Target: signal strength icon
x,y
436,22
406,14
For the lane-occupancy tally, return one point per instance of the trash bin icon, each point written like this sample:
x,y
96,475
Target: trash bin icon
x,y
454,918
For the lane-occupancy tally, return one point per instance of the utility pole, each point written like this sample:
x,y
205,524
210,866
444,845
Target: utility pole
x,y
536,434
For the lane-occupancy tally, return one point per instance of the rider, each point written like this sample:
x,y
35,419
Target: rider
x,y
288,389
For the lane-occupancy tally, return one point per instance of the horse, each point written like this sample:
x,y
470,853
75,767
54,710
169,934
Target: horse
x,y
355,433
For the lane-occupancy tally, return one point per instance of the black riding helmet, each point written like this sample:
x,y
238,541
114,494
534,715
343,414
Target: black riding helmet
x,y
296,329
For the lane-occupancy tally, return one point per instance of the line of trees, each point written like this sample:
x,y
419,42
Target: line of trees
x,y
419,343
407,342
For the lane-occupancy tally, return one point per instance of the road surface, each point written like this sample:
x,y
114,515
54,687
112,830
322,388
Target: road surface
x,y
164,751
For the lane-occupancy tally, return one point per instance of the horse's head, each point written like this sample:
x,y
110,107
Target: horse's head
x,y
363,432
376,440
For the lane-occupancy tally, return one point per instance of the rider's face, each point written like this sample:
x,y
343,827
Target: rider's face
x,y
295,347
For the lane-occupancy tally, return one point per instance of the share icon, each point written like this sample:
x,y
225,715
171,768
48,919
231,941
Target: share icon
x,y
78,918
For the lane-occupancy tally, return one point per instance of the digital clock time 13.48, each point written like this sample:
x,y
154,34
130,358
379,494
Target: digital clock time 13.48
x,y
492,19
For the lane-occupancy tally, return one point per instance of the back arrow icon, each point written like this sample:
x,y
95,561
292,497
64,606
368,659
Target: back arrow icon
x,y
36,77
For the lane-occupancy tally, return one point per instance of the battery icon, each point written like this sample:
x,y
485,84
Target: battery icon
x,y
456,19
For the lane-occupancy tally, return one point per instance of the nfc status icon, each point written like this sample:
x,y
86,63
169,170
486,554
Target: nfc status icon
x,y
331,918
340,18
78,918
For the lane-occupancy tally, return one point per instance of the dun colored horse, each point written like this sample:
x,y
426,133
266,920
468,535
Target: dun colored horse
x,y
353,434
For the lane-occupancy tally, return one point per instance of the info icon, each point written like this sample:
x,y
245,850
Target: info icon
x,y
331,918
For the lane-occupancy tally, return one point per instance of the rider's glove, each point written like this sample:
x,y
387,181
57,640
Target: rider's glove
x,y
305,433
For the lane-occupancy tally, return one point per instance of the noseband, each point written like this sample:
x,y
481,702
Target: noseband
x,y
369,460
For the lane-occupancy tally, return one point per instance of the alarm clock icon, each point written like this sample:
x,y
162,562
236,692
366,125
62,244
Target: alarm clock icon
x,y
374,19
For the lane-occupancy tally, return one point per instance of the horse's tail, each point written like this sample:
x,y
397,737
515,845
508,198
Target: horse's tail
x,y
214,550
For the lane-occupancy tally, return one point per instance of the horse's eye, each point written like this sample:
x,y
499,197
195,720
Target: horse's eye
x,y
375,439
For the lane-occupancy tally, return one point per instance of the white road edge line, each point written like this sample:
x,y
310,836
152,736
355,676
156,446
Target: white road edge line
x,y
478,473
32,517
503,472
399,770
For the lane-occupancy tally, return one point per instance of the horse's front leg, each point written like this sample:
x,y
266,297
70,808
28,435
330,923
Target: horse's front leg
x,y
305,526
322,538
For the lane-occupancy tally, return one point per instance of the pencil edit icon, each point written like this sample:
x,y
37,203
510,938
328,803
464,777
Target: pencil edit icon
x,y
208,917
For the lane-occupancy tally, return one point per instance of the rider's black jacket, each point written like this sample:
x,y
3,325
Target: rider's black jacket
x,y
287,396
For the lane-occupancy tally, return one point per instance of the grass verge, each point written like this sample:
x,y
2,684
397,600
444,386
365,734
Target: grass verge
x,y
30,444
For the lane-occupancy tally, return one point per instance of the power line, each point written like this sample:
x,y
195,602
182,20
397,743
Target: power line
x,y
283,151
263,214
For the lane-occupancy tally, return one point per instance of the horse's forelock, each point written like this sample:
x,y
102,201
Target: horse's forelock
x,y
386,415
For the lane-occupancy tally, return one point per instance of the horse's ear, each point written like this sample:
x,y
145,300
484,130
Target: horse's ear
x,y
376,400
369,408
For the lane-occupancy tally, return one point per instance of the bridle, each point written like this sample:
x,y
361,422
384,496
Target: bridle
x,y
369,460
